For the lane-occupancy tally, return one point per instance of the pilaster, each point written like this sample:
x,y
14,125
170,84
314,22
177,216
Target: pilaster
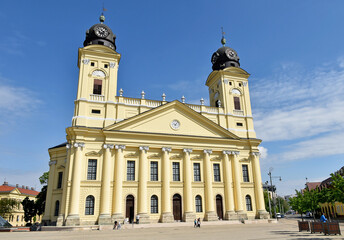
x,y
143,177
229,196
166,216
189,214
210,214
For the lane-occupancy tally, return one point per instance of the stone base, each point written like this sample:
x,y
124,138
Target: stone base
x,y
211,216
105,219
117,217
263,214
231,215
60,221
241,215
167,218
144,218
73,220
189,217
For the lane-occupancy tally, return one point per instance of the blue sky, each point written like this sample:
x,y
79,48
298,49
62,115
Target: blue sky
x,y
293,50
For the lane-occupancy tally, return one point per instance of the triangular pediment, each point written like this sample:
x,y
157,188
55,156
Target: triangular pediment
x,y
160,121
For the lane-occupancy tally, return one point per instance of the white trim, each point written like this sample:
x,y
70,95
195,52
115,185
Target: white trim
x,y
95,118
240,130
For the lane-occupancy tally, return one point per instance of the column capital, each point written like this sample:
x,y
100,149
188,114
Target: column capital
x,y
144,148
108,146
52,162
79,145
119,146
166,149
256,154
235,153
68,146
226,152
209,151
187,150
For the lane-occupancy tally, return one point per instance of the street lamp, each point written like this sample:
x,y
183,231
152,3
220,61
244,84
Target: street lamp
x,y
271,177
266,183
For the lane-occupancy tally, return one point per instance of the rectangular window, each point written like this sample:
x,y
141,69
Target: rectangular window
x,y
245,173
239,124
131,171
217,177
237,103
154,171
59,180
97,87
96,111
197,172
92,169
176,171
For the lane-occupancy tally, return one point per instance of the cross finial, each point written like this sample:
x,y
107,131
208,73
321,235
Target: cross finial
x,y
223,40
102,17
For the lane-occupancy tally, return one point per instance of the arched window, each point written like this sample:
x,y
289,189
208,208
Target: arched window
x,y
248,203
89,207
237,103
97,87
57,208
198,203
154,204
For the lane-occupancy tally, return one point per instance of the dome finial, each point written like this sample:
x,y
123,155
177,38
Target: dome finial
x,y
102,17
223,40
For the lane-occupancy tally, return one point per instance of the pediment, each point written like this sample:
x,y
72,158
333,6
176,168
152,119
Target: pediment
x,y
159,120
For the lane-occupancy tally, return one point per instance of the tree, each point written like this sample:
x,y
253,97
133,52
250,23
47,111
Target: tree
x,y
40,200
311,200
44,178
337,185
30,210
7,206
297,203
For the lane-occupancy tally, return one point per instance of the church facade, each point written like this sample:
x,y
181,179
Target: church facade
x,y
163,161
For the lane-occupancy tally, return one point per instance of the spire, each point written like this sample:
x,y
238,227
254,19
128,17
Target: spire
x,y
223,40
102,18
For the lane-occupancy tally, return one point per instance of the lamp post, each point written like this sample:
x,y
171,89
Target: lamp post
x,y
266,183
273,197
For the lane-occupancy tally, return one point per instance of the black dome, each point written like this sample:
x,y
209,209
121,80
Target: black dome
x,y
100,34
225,57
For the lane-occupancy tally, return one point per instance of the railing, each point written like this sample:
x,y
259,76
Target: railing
x,y
238,112
197,108
152,103
132,101
212,110
98,98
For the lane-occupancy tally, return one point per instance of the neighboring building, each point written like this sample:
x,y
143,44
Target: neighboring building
x,y
164,161
312,185
17,193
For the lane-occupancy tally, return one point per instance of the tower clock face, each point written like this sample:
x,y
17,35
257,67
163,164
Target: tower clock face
x,y
230,53
214,57
101,32
175,124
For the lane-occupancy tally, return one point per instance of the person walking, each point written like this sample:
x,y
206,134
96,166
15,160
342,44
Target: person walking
x,y
323,218
137,219
199,222
195,223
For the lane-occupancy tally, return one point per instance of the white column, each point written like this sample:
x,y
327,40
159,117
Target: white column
x,y
189,214
142,208
237,185
104,217
165,191
210,214
229,196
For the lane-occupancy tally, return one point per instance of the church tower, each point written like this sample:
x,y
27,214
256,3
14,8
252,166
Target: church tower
x,y
228,89
98,66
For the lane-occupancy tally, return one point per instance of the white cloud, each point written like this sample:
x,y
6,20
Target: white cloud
x,y
263,152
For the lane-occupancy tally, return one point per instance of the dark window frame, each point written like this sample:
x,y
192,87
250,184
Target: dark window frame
x,y
197,172
130,170
92,169
237,105
248,203
176,171
154,171
59,180
154,204
57,208
97,86
198,203
245,174
217,174
89,205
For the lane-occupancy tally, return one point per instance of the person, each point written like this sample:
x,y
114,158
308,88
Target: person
x,y
137,219
199,222
119,226
115,226
195,223
323,218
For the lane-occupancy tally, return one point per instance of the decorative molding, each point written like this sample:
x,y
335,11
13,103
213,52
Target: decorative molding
x,y
98,73
144,148
176,156
166,149
93,153
197,157
85,61
209,151
256,154
155,155
68,146
226,152
108,146
187,150
112,64
226,81
129,155
216,158
79,144
52,162
245,84
236,153
120,147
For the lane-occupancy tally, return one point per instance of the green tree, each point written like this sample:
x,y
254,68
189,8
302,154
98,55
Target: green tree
x,y
311,201
30,210
41,197
7,206
337,187
44,178
297,203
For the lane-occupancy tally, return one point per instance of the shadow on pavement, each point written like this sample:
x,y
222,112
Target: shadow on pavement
x,y
294,235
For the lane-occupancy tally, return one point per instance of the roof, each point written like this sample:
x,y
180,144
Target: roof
x,y
5,188
312,185
60,145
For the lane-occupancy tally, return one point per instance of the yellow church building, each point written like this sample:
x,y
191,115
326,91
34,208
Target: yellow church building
x,y
161,161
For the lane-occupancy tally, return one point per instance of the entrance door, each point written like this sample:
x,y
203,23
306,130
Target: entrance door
x,y
129,212
177,207
219,208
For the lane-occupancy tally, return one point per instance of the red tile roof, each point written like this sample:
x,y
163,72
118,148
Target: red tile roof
x,y
5,188
312,185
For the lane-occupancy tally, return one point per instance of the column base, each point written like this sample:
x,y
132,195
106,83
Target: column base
x,y
262,214
144,218
231,215
189,217
211,216
241,215
167,218
60,220
105,219
117,217
73,220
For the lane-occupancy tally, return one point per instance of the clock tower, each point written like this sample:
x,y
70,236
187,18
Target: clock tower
x,y
98,66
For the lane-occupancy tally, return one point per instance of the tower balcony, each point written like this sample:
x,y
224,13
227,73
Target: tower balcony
x,y
238,112
97,98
